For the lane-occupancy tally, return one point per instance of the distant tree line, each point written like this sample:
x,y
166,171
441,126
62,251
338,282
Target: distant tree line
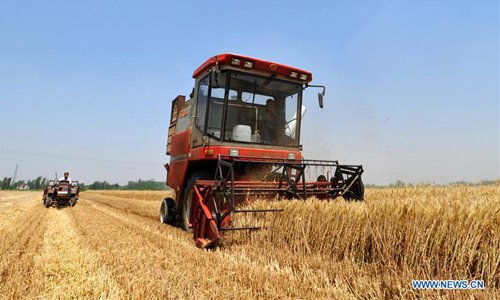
x,y
33,184
40,183
131,185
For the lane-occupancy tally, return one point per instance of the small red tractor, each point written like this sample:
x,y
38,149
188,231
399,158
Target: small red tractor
x,y
237,139
61,193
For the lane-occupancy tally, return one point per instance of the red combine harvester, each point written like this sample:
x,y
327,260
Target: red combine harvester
x,y
237,138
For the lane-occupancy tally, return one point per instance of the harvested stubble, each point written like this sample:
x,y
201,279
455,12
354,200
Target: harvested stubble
x,y
21,240
136,195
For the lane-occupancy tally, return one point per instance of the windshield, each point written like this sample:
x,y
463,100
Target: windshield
x,y
258,109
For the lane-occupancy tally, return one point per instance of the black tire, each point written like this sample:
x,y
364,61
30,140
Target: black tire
x,y
167,211
48,202
186,199
72,202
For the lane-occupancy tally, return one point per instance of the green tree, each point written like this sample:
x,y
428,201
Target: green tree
x,y
5,185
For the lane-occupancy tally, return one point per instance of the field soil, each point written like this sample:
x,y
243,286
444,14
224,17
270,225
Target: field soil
x,y
111,245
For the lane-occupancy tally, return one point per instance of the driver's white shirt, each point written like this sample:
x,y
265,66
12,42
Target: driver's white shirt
x,y
65,179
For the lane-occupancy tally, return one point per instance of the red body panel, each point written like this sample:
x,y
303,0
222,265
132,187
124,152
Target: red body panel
x,y
202,153
180,143
178,160
259,64
177,174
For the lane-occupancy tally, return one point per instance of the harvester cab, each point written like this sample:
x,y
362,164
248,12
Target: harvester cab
x,y
238,138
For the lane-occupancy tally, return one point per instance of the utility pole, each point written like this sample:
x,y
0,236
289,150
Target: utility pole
x,y
14,177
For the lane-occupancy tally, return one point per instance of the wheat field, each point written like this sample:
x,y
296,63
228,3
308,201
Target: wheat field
x,y
112,246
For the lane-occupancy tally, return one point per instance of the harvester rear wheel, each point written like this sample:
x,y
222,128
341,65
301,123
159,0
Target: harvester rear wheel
x,y
187,199
167,211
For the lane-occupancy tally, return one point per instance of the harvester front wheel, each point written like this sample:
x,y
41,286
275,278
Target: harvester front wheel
x,y
187,200
167,211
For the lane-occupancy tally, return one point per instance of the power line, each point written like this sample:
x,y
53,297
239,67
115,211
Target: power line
x,y
87,164
80,158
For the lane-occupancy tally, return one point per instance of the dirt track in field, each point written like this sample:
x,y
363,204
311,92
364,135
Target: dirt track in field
x,y
112,246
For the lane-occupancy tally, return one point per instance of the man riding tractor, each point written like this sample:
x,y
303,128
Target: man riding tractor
x,y
64,192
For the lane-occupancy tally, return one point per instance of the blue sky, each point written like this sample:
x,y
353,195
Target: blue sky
x,y
412,86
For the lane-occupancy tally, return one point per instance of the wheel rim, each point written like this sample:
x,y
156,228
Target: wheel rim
x,y
162,212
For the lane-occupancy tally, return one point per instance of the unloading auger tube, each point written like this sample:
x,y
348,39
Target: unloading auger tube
x,y
215,201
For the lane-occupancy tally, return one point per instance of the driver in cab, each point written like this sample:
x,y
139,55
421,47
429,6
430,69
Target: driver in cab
x,y
268,124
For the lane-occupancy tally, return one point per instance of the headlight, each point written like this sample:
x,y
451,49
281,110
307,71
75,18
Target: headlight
x,y
291,156
248,64
235,61
234,152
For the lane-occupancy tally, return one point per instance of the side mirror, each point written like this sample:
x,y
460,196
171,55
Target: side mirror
x,y
320,95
